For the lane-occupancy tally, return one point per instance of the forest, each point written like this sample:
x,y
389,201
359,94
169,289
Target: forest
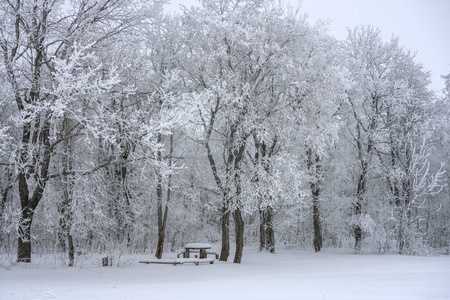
x,y
126,128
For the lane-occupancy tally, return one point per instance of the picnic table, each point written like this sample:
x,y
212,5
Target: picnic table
x,y
201,247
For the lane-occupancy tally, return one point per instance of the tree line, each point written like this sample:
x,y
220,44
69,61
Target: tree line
x,y
124,127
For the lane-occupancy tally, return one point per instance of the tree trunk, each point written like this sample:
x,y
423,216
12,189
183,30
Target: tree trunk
x,y
314,167
357,231
225,219
66,228
358,210
29,204
401,235
365,149
24,241
236,156
316,217
262,157
266,232
66,215
270,233
239,230
262,230
71,249
162,217
160,245
317,225
161,229
225,251
162,232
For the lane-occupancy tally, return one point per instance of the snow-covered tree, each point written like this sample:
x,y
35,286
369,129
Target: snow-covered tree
x,y
237,55
49,54
391,107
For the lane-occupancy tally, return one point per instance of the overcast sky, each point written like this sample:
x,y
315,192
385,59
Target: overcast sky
x,y
423,26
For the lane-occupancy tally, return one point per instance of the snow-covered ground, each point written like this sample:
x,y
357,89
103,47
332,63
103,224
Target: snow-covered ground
x,y
290,274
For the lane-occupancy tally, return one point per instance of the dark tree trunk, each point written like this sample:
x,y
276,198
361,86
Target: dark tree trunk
x,y
66,215
162,217
358,237
314,167
160,245
225,218
270,233
317,224
28,204
24,241
266,232
365,149
239,230
161,230
361,189
71,249
225,221
236,156
262,230
358,210
316,216
262,157
357,231
66,228
401,235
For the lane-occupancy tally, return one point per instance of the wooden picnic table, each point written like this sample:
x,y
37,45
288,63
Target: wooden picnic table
x,y
201,247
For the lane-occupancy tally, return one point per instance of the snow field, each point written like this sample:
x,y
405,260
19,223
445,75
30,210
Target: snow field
x,y
289,274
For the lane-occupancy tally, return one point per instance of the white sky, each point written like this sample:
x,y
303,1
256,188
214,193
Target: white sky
x,y
423,26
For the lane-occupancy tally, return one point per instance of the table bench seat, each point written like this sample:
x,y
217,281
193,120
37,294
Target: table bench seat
x,y
179,261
